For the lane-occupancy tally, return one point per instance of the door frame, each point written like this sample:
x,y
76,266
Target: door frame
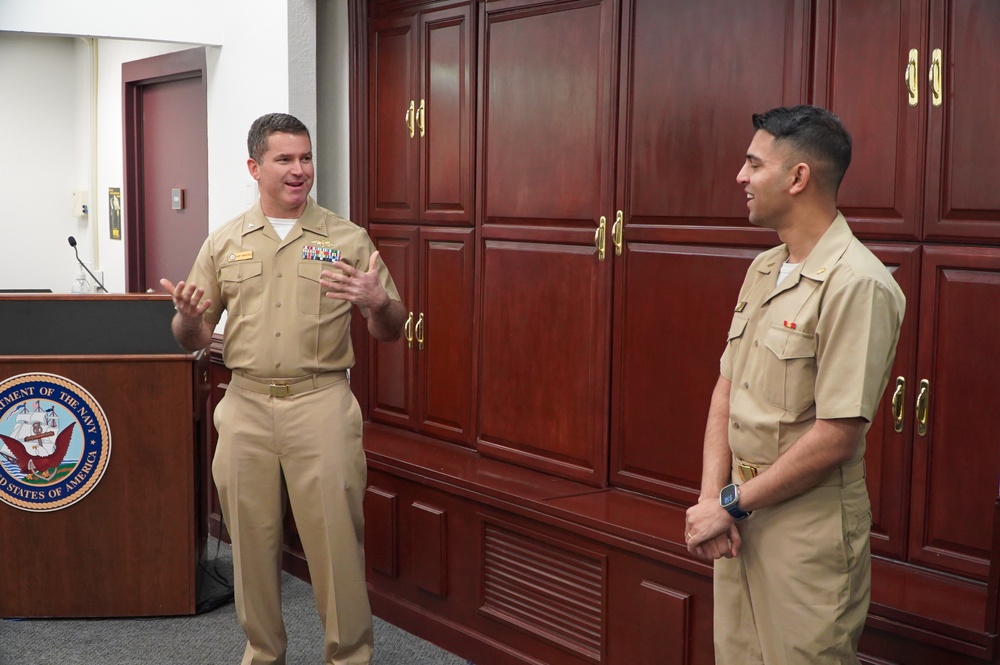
x,y
190,63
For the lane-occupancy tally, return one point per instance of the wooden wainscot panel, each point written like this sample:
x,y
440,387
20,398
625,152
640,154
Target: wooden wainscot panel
x,y
658,615
554,591
381,526
429,548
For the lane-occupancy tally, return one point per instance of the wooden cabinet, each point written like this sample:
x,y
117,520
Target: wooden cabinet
x,y
918,84
586,271
420,115
425,382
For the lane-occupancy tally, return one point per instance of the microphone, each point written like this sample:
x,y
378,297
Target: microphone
x,y
72,243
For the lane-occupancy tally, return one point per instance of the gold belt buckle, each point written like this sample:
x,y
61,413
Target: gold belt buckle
x,y
279,390
747,471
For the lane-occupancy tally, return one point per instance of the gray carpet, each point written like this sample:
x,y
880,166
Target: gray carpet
x,y
211,638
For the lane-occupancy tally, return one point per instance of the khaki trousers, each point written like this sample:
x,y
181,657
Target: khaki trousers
x,y
798,593
304,450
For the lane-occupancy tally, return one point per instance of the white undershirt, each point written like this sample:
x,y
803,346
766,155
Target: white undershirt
x,y
282,226
786,270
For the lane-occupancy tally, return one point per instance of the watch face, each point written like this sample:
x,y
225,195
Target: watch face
x,y
728,496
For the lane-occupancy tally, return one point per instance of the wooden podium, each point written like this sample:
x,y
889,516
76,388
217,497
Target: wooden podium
x,y
132,544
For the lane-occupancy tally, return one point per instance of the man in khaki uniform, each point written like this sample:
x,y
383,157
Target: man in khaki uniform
x,y
288,273
784,509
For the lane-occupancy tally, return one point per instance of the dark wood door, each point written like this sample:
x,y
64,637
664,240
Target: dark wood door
x,y
545,182
673,306
962,201
888,454
393,364
955,460
166,149
680,145
862,52
444,343
445,128
393,162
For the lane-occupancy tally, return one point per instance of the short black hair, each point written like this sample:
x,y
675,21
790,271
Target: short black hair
x,y
816,134
268,124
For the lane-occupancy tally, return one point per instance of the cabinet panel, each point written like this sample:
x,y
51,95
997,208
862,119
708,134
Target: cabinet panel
x,y
444,364
964,135
682,142
543,377
863,49
393,158
888,453
447,48
393,364
673,306
955,464
547,81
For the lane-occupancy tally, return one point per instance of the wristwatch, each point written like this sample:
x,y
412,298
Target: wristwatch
x,y
729,497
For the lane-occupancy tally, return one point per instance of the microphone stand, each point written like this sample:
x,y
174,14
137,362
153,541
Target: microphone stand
x,y
72,243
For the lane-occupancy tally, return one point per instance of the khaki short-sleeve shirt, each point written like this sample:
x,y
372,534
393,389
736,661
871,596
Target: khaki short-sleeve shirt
x,y
279,322
820,345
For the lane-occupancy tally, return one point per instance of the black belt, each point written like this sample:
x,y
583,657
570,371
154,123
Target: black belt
x,y
285,387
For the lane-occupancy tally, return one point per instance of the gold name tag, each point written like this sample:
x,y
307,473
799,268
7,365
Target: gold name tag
x,y
241,256
740,306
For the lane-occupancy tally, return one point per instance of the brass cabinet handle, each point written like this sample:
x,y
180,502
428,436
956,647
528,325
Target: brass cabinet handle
x,y
897,403
935,77
923,407
408,331
409,118
599,237
616,232
910,77
420,331
420,118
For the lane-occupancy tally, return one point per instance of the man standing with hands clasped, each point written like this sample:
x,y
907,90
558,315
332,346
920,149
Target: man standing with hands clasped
x,y
288,273
784,510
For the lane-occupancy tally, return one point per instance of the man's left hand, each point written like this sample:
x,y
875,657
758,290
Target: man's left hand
x,y
361,288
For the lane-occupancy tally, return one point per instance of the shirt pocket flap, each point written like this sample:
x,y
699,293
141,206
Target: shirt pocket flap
x,y
311,270
239,272
788,344
737,327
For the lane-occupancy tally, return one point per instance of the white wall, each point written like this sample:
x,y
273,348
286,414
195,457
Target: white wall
x,y
65,133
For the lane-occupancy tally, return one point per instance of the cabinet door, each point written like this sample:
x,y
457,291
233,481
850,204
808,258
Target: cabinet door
x,y
546,149
393,364
392,154
956,462
445,127
963,201
692,75
862,51
444,359
672,311
888,455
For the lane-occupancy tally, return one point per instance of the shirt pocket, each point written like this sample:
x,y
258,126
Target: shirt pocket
x,y
242,287
790,369
310,296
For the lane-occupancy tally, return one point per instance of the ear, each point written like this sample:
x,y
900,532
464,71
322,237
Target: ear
x,y
800,175
254,168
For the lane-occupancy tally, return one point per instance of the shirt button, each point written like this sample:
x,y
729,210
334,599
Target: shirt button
x,y
746,386
755,342
278,305
736,425
277,365
277,334
279,274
